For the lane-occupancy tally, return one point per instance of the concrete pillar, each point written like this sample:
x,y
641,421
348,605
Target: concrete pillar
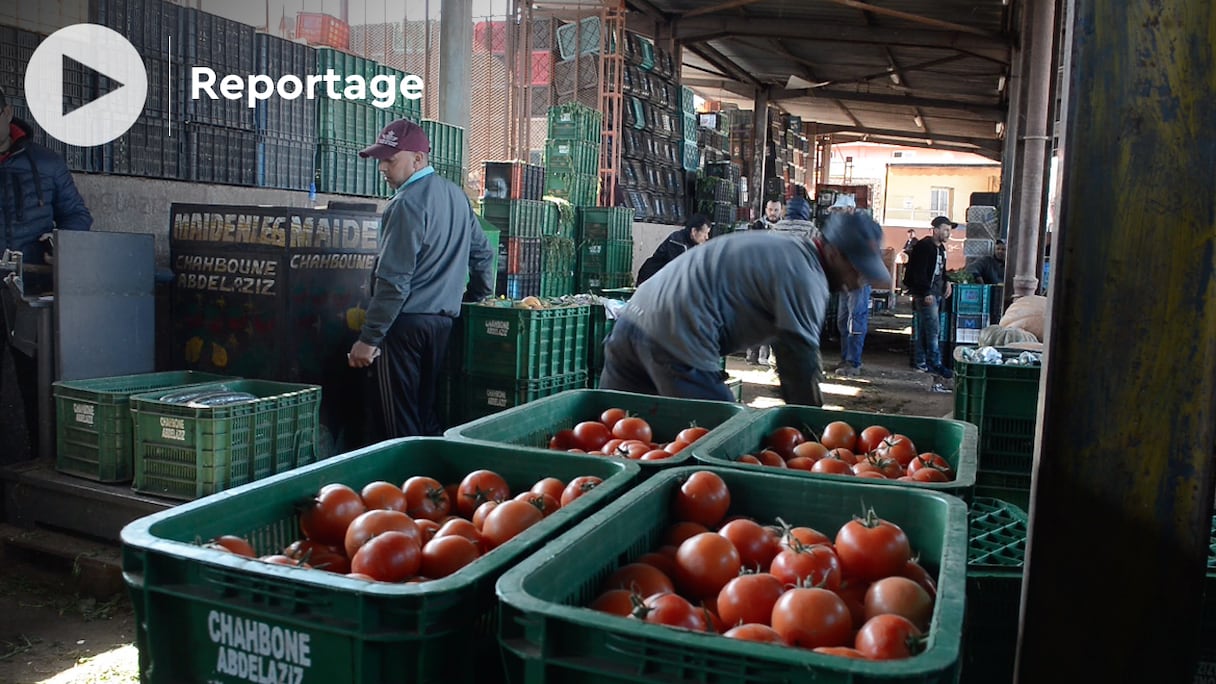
x,y
455,71
1121,505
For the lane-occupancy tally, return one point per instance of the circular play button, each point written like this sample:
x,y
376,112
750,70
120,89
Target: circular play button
x,y
103,118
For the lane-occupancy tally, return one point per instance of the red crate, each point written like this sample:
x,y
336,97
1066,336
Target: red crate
x,y
490,37
542,67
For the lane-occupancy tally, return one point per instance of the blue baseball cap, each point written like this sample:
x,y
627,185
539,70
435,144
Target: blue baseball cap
x,y
859,239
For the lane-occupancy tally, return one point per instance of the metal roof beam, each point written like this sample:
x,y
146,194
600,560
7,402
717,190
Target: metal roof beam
x,y
993,112
915,18
725,64
984,143
732,4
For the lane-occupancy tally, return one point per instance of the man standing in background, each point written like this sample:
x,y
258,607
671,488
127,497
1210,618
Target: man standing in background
x,y
852,310
925,280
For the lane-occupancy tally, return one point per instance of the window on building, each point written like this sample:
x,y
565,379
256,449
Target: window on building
x,y
939,200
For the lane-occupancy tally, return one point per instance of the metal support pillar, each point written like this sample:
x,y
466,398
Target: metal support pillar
x,y
760,137
1035,143
455,70
1123,484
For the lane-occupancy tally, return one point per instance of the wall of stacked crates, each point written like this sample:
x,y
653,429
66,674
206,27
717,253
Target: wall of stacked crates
x,y
653,133
788,155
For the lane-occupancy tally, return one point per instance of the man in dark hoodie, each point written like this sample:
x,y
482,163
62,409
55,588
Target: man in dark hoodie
x,y
430,243
37,195
695,232
925,280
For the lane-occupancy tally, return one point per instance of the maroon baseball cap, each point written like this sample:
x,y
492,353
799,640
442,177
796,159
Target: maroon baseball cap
x,y
399,135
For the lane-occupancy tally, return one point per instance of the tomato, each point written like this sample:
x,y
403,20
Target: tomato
x,y
811,450
889,637
671,610
427,528
564,439
888,467
305,549
658,454
373,523
234,544
753,632
590,435
898,448
841,652
545,503
615,602
610,447
772,459
783,440
549,485
749,599
702,498
705,563
383,495
675,447
871,548
756,544
507,520
479,487
930,460
845,455
915,572
930,475
633,428
853,593
388,557
800,463
611,416
839,435
807,566
811,618
479,515
713,623
806,536
639,578
679,532
443,556
691,434
578,487
900,596
632,449
867,467
832,465
872,475
426,498
326,517
462,528
666,563
871,437
751,458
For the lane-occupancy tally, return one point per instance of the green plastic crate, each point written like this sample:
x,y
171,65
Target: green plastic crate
x,y
1206,668
996,553
183,452
605,223
613,256
484,395
357,632
533,424
1007,487
525,344
578,189
548,637
516,218
558,256
93,419
598,283
600,327
573,121
554,285
953,440
1003,402
572,156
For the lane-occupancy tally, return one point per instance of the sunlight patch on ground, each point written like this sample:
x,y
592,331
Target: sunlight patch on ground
x,y
116,666
839,390
766,402
896,331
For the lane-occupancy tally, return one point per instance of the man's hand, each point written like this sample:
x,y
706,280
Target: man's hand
x,y
361,355
949,288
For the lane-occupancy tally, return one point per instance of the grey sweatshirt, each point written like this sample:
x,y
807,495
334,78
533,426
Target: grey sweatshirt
x,y
430,242
734,292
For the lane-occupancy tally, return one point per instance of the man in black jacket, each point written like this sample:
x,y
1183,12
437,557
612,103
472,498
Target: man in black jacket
x,y
695,232
925,280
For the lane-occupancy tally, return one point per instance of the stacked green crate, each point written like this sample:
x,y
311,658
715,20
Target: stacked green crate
x,y
559,251
572,154
346,126
605,248
447,149
690,150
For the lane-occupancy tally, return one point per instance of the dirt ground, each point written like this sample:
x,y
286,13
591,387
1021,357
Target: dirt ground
x,y
49,635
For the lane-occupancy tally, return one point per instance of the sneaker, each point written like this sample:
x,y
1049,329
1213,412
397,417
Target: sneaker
x,y
847,371
922,368
944,372
939,388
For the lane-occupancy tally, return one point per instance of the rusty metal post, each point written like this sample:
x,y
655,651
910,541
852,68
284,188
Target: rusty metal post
x,y
1123,484
759,151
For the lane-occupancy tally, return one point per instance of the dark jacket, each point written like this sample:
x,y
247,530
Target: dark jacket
x,y
988,270
922,262
37,195
676,244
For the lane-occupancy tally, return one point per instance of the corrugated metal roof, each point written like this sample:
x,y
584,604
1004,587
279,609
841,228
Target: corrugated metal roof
x,y
888,69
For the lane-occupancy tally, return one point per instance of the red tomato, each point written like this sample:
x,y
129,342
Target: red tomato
x,y
384,496
564,439
691,434
427,528
853,593
871,548
374,523
590,435
443,556
462,528
639,578
632,449
388,557
811,450
915,572
507,520
611,446
615,602
479,515
807,566
806,536
752,632
930,460
772,459
888,637
872,475
234,544
756,544
749,599
783,440
305,549
832,465
900,596
325,518
426,498
479,487
545,503
658,454
871,437
800,463
898,448
930,475
888,467
677,533
751,458
551,486
666,563
611,416
578,487
840,652
839,435
845,455
633,428
675,447
702,498
672,610
811,618
704,564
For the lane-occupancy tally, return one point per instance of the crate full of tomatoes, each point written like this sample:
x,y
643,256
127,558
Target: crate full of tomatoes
x,y
374,566
655,431
730,576
933,453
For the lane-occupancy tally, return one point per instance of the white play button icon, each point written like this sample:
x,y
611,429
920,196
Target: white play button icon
x,y
105,118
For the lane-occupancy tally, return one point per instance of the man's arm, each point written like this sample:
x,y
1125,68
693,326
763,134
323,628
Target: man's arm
x,y
70,210
481,262
798,369
394,271
657,261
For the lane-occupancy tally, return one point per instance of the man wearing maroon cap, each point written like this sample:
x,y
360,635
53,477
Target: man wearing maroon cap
x,y
430,243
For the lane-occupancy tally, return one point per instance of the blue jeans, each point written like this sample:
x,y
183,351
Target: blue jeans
x,y
634,363
925,349
852,320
